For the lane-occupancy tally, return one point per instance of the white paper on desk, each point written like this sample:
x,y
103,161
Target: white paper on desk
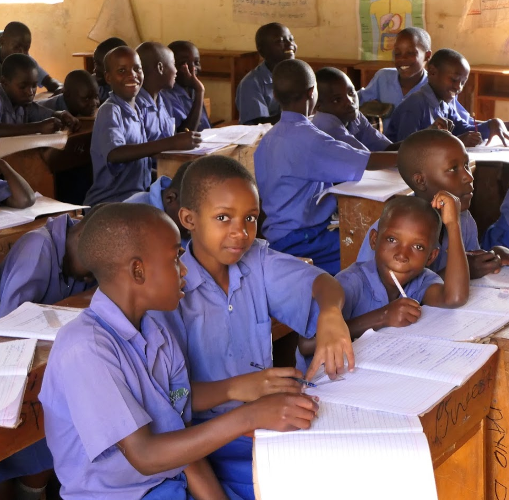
x,y
205,148
10,145
500,280
29,321
228,134
354,466
488,300
452,324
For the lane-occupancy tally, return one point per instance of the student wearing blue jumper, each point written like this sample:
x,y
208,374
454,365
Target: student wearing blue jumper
x,y
235,284
498,233
433,160
404,244
116,394
295,161
185,98
120,148
15,192
338,113
448,72
255,100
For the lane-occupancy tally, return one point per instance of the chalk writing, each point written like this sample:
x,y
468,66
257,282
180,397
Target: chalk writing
x,y
296,13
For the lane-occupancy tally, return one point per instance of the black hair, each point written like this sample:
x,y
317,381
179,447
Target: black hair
x,y
78,76
291,79
202,174
181,44
16,28
262,33
109,44
17,62
423,38
446,56
114,52
176,181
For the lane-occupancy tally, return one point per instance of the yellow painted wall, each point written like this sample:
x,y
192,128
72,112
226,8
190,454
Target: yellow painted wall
x,y
61,29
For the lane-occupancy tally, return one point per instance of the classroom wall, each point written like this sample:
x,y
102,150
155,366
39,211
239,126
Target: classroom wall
x,y
61,29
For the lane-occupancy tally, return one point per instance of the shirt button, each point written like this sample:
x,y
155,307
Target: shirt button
x,y
230,308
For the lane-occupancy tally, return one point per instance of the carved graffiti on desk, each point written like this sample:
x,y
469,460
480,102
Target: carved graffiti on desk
x,y
497,432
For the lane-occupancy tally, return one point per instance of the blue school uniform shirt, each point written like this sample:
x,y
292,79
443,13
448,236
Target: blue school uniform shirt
x,y
117,124
18,115
255,98
55,103
419,110
104,381
33,268
294,162
158,122
498,233
468,232
180,102
154,195
365,292
221,334
5,191
104,92
359,133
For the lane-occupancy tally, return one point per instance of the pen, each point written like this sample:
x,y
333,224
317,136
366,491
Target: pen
x,y
475,123
397,283
297,379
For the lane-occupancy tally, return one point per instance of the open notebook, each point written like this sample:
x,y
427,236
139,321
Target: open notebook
x,y
500,280
36,321
16,359
406,375
343,443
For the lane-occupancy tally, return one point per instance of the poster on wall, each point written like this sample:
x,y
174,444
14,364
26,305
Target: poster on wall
x,y
380,21
292,13
485,14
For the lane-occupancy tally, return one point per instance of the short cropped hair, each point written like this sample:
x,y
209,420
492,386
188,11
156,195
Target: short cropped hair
x,y
291,79
180,44
15,63
111,233
77,77
412,206
117,51
15,28
176,181
263,31
109,44
206,172
446,56
423,38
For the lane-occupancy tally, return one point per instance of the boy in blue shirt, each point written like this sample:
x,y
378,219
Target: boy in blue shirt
x,y
433,160
115,393
338,113
80,95
19,115
15,192
295,162
120,150
185,98
99,53
235,284
498,233
448,72
255,99
17,39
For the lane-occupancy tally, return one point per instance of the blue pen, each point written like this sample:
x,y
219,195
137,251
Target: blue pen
x,y
297,379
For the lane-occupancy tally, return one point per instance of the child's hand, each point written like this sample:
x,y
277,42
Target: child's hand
x,y
252,386
470,139
283,412
69,121
497,128
192,78
186,140
442,124
49,126
401,312
449,207
503,253
481,263
333,342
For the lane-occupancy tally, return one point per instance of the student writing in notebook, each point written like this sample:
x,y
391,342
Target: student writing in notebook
x,y
121,151
433,160
116,393
295,161
235,283
15,191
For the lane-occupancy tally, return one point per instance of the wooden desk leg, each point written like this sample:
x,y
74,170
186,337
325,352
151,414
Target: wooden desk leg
x,y
463,475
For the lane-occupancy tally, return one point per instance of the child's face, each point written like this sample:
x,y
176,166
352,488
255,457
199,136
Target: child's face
x,y
22,87
187,55
278,46
448,80
224,226
403,245
15,44
447,168
340,100
82,100
125,75
409,56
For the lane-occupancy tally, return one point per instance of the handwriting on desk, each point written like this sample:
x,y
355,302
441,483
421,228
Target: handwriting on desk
x,y
496,435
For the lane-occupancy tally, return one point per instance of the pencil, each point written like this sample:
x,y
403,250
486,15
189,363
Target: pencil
x,y
397,283
297,379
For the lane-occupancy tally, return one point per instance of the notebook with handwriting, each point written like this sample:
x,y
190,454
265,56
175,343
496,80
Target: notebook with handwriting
x,y
500,280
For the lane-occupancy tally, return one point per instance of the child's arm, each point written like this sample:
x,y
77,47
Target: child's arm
x,y
194,117
48,126
69,121
332,336
382,159
497,128
482,263
151,453
202,483
52,85
22,195
454,291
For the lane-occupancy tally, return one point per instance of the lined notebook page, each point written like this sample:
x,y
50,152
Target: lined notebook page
x,y
374,390
451,324
500,280
36,322
434,359
488,300
337,465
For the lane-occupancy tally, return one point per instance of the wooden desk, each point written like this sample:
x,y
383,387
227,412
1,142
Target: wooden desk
x,y
88,60
367,70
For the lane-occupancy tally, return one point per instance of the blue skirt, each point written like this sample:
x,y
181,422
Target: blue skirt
x,y
31,460
317,243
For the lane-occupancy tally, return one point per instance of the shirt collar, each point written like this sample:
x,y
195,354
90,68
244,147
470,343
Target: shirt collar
x,y
180,91
133,113
156,191
377,288
330,119
264,72
145,99
430,96
292,117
